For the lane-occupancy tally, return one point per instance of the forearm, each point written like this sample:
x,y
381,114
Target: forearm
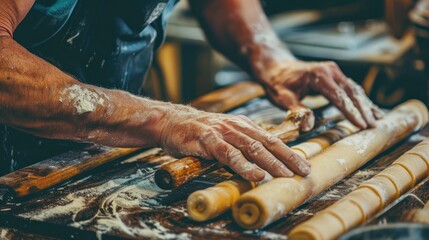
x,y
40,99
240,30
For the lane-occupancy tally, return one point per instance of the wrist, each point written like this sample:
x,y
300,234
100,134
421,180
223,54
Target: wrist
x,y
265,55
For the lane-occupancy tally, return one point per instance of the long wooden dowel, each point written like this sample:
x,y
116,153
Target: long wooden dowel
x,y
270,201
223,100
48,173
369,198
209,203
177,173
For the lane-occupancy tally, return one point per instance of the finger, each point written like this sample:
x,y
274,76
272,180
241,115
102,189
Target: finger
x,y
331,90
277,148
287,99
231,156
368,110
378,113
256,152
359,98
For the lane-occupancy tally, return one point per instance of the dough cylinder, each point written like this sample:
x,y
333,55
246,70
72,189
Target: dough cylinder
x,y
370,197
269,202
211,202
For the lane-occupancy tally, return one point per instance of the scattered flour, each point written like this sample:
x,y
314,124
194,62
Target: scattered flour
x,y
360,142
333,194
341,161
181,210
71,205
280,208
83,99
273,236
131,195
417,138
303,212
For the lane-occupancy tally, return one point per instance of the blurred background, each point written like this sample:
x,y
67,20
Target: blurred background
x,y
382,45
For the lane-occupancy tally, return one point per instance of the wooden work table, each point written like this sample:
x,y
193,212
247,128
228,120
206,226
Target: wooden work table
x,y
121,200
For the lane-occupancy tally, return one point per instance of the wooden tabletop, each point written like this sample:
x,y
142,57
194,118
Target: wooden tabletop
x,y
121,200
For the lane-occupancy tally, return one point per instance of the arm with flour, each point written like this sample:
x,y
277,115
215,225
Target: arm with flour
x,y
39,98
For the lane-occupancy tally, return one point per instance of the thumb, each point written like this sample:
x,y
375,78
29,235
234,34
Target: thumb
x,y
288,100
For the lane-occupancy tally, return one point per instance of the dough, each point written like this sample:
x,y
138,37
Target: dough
x,y
308,149
383,187
369,197
415,165
270,201
211,202
399,176
346,212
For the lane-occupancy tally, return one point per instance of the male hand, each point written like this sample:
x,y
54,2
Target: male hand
x,y
289,81
232,140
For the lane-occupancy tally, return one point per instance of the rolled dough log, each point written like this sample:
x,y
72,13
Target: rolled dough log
x,y
369,197
211,202
269,202
383,187
415,166
399,176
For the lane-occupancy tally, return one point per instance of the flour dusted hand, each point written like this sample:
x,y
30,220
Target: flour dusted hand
x,y
289,81
232,140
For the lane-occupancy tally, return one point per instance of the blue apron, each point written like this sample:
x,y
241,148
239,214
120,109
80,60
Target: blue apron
x,y
107,43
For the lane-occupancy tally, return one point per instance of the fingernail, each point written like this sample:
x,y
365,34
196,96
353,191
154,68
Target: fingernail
x,y
361,122
305,169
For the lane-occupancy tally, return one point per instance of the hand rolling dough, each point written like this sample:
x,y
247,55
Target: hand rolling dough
x,y
209,203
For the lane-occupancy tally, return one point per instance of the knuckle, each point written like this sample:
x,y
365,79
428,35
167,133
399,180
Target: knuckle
x,y
209,137
293,158
271,162
232,155
243,117
255,148
272,140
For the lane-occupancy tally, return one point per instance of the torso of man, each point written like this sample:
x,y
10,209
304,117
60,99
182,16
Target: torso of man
x,y
106,43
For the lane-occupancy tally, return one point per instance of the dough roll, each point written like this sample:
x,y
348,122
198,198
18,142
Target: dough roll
x,y
209,203
269,202
369,198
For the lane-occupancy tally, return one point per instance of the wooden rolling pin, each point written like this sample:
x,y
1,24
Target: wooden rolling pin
x,y
48,173
177,173
273,200
226,99
369,198
209,203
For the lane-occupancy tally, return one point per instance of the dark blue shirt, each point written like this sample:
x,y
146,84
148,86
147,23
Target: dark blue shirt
x,y
109,43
